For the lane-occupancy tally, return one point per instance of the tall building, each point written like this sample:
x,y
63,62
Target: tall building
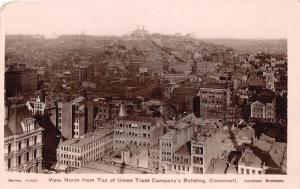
x,y
83,72
73,118
138,131
108,108
20,80
22,140
171,142
214,99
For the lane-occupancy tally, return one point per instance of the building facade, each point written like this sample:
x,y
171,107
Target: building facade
x,y
22,141
20,80
213,100
265,111
137,131
75,153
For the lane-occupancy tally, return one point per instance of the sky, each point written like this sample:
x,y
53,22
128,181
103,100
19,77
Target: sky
x,y
204,18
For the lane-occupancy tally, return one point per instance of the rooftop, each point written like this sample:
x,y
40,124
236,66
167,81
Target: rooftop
x,y
184,149
250,159
214,85
217,166
17,113
168,136
106,168
88,138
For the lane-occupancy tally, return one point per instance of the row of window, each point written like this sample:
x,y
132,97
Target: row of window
x,y
140,143
212,101
166,153
24,158
133,126
197,150
166,159
87,147
183,168
248,171
213,92
166,144
135,134
179,159
23,144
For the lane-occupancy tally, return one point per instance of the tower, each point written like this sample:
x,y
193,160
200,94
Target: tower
x,y
122,112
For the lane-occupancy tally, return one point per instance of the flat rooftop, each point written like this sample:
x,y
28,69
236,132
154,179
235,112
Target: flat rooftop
x,y
88,138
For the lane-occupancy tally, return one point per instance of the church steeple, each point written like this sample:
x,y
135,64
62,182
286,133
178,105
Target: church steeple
x,y
122,112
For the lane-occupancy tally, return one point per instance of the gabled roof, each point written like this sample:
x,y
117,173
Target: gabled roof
x,y
184,149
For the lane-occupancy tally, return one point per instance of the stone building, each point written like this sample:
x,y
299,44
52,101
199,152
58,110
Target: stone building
x,y
22,140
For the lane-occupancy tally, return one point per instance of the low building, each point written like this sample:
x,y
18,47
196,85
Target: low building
x,y
250,164
266,111
182,159
153,157
75,153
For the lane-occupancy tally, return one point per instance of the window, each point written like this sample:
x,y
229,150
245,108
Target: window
x,y
19,160
8,163
242,170
247,171
27,156
27,143
9,148
20,146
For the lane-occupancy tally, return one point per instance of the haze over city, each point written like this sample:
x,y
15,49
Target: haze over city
x,y
205,19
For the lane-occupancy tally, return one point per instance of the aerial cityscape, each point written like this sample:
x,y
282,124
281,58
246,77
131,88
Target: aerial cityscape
x,y
145,103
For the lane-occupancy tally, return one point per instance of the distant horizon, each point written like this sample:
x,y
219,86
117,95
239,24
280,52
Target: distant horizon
x,y
104,35
255,19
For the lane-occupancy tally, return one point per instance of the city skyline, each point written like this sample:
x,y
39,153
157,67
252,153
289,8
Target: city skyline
x,y
213,19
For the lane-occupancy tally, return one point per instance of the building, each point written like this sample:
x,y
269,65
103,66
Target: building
x,y
209,143
250,164
182,99
266,111
197,156
36,106
174,77
75,153
83,72
74,117
153,157
213,100
22,140
136,130
108,108
182,159
169,143
20,80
